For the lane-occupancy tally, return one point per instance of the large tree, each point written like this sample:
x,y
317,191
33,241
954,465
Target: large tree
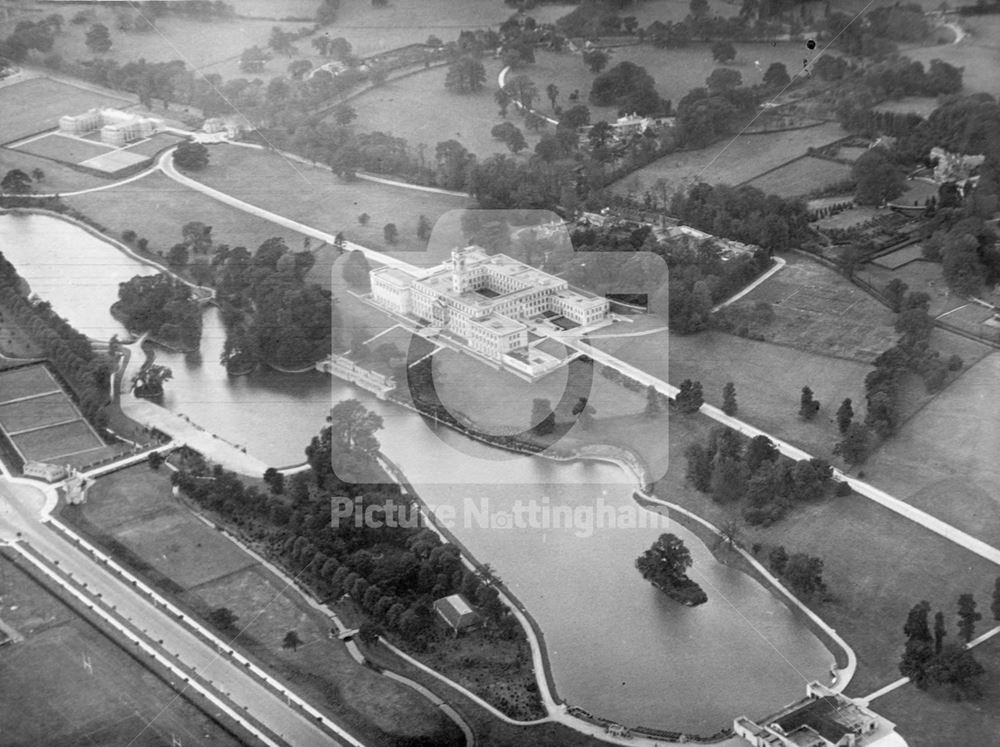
x,y
878,179
16,182
723,51
191,156
353,427
98,38
465,75
776,75
967,616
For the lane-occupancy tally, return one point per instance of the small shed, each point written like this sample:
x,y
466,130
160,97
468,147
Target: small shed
x,y
456,611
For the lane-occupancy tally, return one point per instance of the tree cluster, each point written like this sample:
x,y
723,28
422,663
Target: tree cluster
x,y
393,567
745,214
272,314
629,87
928,661
802,572
162,306
753,473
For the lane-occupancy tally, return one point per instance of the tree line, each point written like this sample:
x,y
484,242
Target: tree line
x,y
392,566
68,350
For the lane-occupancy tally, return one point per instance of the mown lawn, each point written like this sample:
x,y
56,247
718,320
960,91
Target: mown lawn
x,y
216,572
157,208
50,696
731,161
420,109
319,199
802,177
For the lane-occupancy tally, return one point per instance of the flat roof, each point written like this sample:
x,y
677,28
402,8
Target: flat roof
x,y
394,276
499,323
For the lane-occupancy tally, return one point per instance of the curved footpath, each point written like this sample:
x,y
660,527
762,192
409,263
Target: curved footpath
x,y
343,630
166,165
502,82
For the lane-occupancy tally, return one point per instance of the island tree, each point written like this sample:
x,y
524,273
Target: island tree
x,y
665,565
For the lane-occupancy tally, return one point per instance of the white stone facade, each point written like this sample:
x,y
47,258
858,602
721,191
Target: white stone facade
x,y
484,299
117,127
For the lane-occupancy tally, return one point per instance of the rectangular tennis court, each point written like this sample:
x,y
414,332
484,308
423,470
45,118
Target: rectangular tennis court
x,y
38,417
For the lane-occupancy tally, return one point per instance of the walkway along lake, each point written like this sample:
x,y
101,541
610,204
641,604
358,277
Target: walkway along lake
x,y
618,647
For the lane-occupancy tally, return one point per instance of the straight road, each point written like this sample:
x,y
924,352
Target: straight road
x,y
21,518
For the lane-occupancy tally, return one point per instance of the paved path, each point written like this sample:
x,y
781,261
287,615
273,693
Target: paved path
x,y
879,496
359,174
167,167
866,700
182,430
779,263
895,505
137,611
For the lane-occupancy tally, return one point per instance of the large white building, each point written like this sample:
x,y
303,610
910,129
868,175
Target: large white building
x,y
485,300
823,718
117,127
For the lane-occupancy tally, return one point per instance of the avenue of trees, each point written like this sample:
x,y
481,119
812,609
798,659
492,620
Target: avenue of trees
x,y
67,350
393,567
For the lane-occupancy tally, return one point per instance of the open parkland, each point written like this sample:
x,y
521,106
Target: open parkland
x,y
826,334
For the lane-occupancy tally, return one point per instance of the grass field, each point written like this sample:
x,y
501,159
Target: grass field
x,y
768,378
207,46
157,208
943,460
802,177
319,199
51,699
420,109
919,276
818,310
978,54
921,105
35,105
26,382
923,718
676,71
65,149
64,440
59,178
895,260
734,161
876,565
848,218
135,507
44,410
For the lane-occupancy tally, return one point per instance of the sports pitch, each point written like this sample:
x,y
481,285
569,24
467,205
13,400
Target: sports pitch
x,y
40,420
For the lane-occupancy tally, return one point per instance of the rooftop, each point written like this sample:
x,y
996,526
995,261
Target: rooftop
x,y
393,276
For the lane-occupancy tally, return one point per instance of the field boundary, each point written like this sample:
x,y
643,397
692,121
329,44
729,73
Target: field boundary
x,y
790,161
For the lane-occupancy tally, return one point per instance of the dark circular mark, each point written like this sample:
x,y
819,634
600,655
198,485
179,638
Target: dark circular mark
x,y
811,44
